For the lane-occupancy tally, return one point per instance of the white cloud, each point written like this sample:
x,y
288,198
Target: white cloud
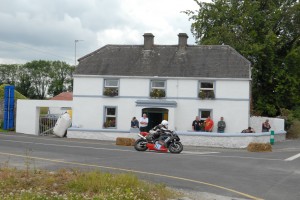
x,y
51,26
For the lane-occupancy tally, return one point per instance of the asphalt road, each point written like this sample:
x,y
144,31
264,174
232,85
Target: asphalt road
x,y
234,173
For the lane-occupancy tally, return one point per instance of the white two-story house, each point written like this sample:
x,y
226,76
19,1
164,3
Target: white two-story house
x,y
172,82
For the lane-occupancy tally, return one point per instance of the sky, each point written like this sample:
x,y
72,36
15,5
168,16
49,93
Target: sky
x,y
47,29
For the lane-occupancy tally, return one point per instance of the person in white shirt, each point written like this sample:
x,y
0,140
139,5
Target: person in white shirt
x,y
144,123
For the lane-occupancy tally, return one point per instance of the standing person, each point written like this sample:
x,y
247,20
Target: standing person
x,y
144,123
134,123
266,126
196,125
209,124
221,125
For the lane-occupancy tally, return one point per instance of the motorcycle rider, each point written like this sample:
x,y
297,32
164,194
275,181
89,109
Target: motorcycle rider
x,y
158,131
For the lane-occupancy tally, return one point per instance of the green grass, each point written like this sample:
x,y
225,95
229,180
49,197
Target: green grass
x,y
73,184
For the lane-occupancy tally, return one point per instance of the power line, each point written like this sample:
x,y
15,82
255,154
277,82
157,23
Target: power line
x,y
34,49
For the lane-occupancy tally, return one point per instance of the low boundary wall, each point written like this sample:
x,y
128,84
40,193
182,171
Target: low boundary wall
x,y
224,140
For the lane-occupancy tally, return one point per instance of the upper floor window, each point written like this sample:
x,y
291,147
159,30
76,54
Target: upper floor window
x,y
111,87
158,89
110,117
206,90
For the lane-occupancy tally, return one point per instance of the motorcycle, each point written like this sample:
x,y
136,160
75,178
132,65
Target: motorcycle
x,y
170,141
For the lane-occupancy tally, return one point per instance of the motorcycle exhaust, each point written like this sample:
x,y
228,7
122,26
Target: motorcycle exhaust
x,y
142,136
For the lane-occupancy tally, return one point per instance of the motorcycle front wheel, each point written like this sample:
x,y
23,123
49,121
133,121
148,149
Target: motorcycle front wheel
x,y
175,147
140,145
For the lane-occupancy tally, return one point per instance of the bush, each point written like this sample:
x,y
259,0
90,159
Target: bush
x,y
294,131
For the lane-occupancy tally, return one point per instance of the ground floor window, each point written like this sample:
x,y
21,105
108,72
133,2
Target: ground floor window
x,y
110,117
204,113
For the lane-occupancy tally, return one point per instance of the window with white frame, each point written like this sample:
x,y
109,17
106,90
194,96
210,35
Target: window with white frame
x,y
110,118
157,88
204,113
206,90
111,87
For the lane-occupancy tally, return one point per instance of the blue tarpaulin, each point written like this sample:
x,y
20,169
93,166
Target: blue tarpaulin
x,y
9,106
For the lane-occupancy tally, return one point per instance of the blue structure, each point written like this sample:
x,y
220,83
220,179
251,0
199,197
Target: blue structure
x,y
9,105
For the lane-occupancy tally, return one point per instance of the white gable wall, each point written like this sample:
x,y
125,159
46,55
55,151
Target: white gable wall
x,y
232,102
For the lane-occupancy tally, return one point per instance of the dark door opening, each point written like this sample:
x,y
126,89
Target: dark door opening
x,y
155,116
154,119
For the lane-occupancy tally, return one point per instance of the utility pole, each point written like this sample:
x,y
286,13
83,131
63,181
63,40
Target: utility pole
x,y
75,41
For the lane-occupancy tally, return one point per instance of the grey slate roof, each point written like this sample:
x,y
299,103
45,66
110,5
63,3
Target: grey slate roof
x,y
213,61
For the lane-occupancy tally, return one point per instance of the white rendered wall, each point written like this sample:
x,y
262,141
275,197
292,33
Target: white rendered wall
x,y
28,112
276,124
88,86
231,102
225,140
232,89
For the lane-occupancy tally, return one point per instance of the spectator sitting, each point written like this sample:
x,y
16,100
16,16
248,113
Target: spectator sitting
x,y
249,130
266,126
134,123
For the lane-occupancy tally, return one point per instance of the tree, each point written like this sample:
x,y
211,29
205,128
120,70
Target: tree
x,y
61,78
40,79
267,34
8,73
23,83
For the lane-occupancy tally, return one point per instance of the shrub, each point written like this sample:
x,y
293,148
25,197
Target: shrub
x,y
294,131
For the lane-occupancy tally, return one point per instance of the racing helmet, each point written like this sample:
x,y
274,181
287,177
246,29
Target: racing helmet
x,y
165,123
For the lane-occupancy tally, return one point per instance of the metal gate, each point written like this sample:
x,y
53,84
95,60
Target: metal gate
x,y
47,123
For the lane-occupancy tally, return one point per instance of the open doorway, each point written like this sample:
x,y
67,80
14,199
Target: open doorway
x,y
155,116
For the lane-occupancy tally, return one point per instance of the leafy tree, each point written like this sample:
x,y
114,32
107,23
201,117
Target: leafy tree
x,y
40,79
61,78
8,73
24,85
265,32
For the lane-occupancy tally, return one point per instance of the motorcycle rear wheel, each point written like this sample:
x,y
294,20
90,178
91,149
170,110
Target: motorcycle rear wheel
x,y
140,145
175,147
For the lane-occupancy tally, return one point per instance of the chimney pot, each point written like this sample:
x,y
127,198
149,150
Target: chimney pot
x,y
148,41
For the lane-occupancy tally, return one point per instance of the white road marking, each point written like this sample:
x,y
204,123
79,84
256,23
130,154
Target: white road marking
x,y
198,153
293,157
185,153
73,146
97,148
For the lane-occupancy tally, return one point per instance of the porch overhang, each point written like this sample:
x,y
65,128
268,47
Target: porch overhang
x,y
156,103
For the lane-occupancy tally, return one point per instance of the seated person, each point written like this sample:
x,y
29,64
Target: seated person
x,y
248,130
134,123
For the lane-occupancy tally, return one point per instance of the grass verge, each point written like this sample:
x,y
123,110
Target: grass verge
x,y
73,184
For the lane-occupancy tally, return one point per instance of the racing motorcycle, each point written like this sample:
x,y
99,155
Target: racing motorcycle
x,y
170,141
